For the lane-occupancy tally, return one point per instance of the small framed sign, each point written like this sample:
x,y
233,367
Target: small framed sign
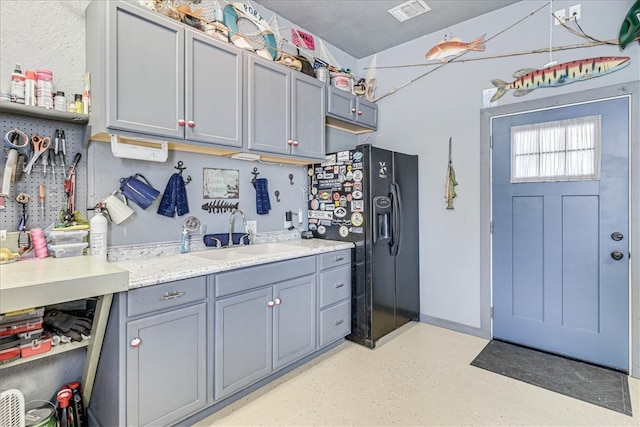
x,y
221,183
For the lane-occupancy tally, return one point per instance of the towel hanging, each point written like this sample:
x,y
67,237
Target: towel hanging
x,y
174,200
263,204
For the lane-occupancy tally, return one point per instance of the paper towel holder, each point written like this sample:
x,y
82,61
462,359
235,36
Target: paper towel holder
x,y
139,148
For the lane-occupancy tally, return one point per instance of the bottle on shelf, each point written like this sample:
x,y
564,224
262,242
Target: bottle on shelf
x,y
17,86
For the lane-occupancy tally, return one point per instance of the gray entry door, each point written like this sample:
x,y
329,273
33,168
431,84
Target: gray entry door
x,y
556,284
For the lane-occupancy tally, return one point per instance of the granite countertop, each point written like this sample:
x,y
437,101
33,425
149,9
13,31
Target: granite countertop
x,y
165,268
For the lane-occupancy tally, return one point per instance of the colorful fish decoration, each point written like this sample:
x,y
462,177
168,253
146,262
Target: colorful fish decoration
x,y
454,47
529,79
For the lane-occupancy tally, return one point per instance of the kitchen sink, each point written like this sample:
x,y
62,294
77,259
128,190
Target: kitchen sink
x,y
264,249
240,252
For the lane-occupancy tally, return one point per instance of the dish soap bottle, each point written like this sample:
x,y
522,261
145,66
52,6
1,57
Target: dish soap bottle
x,y
184,244
98,234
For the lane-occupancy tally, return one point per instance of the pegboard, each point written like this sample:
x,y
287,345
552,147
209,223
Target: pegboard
x,y
55,198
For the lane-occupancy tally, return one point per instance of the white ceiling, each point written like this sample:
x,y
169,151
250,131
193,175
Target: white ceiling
x,y
364,27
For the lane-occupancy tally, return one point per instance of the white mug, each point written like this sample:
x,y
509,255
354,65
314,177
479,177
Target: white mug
x,y
117,209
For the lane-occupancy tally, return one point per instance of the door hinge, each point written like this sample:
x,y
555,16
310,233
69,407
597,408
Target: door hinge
x,y
491,141
491,227
491,312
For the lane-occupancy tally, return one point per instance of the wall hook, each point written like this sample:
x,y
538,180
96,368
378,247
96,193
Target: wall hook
x,y
255,174
291,178
277,194
181,168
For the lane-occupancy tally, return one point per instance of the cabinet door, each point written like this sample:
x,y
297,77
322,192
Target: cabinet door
x,y
213,101
294,323
366,113
268,106
307,116
243,341
166,369
340,103
145,78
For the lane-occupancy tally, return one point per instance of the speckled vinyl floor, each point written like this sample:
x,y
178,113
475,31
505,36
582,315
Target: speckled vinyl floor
x,y
419,375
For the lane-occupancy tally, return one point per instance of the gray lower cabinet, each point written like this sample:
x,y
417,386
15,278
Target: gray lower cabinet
x,y
285,110
352,112
151,74
153,365
334,296
267,322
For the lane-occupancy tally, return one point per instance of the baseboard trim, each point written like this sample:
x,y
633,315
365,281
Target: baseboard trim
x,y
454,326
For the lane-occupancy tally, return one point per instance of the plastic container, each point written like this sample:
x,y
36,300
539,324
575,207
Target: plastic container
x,y
60,102
36,347
9,355
17,86
38,415
32,313
44,88
30,89
62,237
342,81
78,101
67,250
31,336
20,327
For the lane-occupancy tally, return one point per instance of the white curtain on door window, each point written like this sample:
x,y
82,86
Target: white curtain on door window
x,y
556,151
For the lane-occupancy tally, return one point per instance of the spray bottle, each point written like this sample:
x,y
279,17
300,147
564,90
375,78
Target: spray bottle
x,y
98,233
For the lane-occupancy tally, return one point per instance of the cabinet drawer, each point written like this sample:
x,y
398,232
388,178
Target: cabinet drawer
x,y
334,259
166,295
335,285
261,275
335,322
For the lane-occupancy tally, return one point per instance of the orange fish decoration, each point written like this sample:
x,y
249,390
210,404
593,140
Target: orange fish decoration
x,y
454,47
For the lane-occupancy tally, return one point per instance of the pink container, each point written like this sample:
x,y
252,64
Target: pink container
x,y
44,88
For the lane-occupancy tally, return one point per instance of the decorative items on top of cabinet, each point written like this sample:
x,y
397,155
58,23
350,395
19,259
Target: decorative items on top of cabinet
x,y
334,296
349,112
151,331
161,78
264,320
285,110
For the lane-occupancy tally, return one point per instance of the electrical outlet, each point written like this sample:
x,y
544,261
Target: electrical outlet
x,y
3,235
560,15
574,12
252,226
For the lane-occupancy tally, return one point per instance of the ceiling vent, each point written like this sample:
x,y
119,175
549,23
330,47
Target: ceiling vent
x,y
409,10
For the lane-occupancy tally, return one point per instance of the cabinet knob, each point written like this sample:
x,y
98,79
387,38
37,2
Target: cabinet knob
x,y
290,142
136,342
191,123
353,110
181,122
277,301
359,112
271,303
295,143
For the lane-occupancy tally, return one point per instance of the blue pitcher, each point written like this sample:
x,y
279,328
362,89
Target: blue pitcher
x,y
141,193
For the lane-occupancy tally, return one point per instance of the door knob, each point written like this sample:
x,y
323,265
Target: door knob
x,y
617,236
617,255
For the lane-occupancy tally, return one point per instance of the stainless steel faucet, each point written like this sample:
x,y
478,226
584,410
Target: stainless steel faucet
x,y
244,222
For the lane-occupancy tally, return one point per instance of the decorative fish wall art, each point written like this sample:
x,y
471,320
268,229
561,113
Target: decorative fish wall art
x,y
529,79
454,47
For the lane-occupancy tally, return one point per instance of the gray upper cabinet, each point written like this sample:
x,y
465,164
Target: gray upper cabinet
x,y
353,112
285,110
161,78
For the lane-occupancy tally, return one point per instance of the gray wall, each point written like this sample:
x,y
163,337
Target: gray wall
x,y
421,117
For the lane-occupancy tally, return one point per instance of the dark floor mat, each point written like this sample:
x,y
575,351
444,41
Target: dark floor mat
x,y
589,383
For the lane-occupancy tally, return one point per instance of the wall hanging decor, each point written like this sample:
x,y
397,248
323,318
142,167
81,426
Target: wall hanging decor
x,y
219,206
221,183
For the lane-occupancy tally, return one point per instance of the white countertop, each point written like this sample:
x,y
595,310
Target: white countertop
x,y
38,282
151,271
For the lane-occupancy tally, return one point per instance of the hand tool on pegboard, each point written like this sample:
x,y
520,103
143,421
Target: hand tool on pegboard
x,y
70,190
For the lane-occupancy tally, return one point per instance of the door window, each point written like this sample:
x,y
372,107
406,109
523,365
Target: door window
x,y
564,150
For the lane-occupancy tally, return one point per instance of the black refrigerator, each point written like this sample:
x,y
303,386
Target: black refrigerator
x,y
369,196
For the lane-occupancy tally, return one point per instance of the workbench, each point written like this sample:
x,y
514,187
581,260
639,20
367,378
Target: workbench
x,y
41,282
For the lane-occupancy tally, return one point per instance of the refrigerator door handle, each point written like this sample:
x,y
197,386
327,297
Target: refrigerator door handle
x,y
396,230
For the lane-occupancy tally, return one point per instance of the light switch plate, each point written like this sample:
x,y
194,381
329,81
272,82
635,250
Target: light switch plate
x,y
253,226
